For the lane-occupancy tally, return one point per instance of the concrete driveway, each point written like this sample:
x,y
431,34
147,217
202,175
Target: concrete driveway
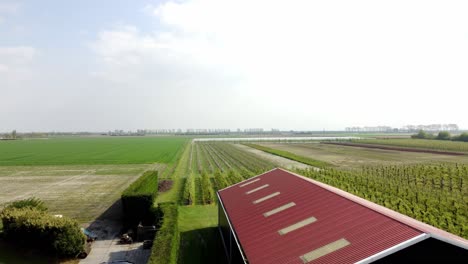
x,y
107,248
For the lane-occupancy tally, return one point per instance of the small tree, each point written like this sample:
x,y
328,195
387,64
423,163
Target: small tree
x,y
444,135
462,137
422,135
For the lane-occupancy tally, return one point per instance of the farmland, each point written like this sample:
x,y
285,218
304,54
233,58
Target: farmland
x,y
90,150
438,145
81,192
416,184
346,157
214,166
433,194
87,173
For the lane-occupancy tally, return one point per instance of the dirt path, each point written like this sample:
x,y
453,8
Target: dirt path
x,y
280,161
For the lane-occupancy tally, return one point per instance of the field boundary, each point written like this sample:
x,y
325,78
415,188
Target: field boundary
x,y
376,146
288,155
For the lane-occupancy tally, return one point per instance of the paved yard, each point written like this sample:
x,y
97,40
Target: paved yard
x,y
107,248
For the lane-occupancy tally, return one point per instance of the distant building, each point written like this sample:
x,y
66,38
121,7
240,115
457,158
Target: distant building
x,y
281,217
404,129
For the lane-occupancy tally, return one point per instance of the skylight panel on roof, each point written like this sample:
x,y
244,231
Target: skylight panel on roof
x,y
279,209
325,250
297,225
257,189
247,183
266,198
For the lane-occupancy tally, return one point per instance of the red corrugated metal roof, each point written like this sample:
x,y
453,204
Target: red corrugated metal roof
x,y
367,231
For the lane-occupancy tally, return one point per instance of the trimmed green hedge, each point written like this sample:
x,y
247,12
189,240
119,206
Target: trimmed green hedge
x,y
292,156
166,243
138,199
36,228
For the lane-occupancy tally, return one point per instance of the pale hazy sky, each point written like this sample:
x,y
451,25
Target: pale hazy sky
x,y
304,65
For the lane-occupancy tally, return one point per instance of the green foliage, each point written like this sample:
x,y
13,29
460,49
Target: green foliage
x,y
35,228
444,135
292,156
422,135
462,137
210,166
166,243
435,194
189,191
87,150
28,203
139,197
200,242
207,189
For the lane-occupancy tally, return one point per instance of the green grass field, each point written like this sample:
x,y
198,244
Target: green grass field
x,y
200,240
88,150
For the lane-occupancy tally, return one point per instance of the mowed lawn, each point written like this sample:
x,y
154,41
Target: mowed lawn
x,y
200,241
90,150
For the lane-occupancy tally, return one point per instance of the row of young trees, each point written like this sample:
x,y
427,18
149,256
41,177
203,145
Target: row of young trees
x,y
215,166
437,195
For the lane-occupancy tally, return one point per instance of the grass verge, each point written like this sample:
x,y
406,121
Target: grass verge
x,y
292,156
200,240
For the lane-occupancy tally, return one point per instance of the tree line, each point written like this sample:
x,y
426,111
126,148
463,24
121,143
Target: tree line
x,y
442,135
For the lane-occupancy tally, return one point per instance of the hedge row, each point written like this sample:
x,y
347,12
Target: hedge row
x,y
139,197
36,228
166,244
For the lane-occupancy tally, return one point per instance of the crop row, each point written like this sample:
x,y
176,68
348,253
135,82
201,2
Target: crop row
x,y
214,166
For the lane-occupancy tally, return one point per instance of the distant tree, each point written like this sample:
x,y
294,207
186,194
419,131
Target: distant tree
x,y
444,135
13,134
422,135
462,137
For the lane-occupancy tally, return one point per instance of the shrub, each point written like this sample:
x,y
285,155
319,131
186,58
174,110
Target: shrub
x,y
139,197
28,203
462,137
166,244
33,227
423,135
444,135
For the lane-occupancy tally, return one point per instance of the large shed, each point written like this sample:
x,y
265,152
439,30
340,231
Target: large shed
x,y
281,217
